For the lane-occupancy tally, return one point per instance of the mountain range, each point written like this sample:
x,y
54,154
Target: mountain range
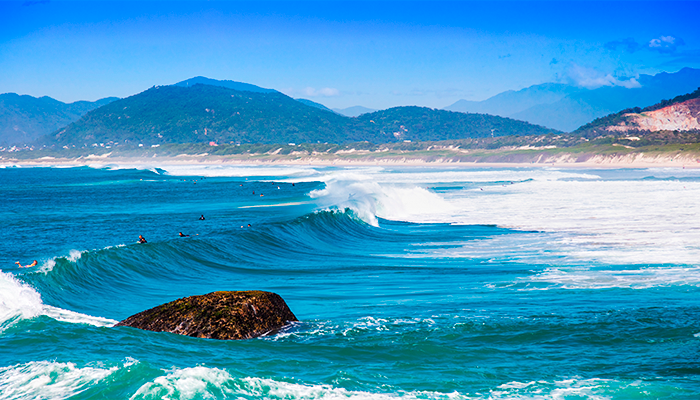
x,y
567,107
25,118
207,113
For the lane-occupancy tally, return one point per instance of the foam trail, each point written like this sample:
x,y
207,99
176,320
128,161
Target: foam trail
x,y
20,301
203,382
49,380
217,170
583,278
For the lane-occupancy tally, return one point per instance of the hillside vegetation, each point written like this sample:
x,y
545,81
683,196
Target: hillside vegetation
x,y
205,113
24,118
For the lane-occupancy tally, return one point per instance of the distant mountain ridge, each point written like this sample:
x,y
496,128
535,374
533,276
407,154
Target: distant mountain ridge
x,y
24,118
573,106
512,102
354,111
205,113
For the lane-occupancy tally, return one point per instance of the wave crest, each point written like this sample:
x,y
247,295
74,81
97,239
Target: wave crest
x,y
370,199
50,380
20,301
203,382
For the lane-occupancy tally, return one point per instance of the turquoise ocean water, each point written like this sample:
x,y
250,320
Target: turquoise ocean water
x,y
409,283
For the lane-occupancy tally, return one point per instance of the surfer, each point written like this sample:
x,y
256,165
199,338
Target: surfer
x,y
142,239
201,218
33,264
183,235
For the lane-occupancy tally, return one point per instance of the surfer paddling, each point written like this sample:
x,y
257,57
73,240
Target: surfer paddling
x,y
33,264
183,235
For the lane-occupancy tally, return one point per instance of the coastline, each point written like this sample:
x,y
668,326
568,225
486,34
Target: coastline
x,y
495,160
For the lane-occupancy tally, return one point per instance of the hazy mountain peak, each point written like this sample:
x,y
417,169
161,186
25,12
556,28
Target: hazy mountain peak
x,y
247,87
354,111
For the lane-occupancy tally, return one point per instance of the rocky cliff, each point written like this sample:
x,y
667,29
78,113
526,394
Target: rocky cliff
x,y
683,116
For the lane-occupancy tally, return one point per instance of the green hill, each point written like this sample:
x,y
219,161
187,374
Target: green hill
x,y
204,113
426,124
24,118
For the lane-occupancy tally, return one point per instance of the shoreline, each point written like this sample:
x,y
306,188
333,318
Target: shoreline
x,y
564,160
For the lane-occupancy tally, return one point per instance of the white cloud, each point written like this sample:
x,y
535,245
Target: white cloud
x,y
323,92
665,44
591,78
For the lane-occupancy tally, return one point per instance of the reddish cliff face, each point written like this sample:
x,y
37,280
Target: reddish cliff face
x,y
683,116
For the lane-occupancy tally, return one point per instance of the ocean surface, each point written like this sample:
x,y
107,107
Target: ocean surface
x,y
409,283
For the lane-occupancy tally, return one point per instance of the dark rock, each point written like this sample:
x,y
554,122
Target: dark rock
x,y
217,315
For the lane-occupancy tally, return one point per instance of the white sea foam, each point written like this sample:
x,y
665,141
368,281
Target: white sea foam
x,y
370,199
20,301
329,328
218,170
17,300
73,256
203,382
626,222
592,278
619,220
594,389
48,380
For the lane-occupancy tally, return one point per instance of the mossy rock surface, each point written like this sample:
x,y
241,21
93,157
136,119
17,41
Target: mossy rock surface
x,y
217,315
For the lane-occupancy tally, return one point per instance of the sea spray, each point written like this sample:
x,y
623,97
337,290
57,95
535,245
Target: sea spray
x,y
20,301
17,300
51,380
370,200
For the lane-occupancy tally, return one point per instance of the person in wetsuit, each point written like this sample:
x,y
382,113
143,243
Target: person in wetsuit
x,y
33,264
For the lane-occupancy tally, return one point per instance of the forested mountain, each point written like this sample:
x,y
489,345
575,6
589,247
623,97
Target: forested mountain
x,y
24,118
313,104
205,113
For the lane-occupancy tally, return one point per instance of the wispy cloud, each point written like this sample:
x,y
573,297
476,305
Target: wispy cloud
x,y
665,44
322,92
591,78
662,44
311,92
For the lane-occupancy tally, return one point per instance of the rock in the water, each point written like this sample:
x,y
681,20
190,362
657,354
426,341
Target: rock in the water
x,y
217,315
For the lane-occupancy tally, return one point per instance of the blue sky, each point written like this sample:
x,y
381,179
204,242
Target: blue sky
x,y
375,54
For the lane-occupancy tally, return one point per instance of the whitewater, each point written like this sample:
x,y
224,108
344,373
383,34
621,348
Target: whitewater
x,y
444,283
